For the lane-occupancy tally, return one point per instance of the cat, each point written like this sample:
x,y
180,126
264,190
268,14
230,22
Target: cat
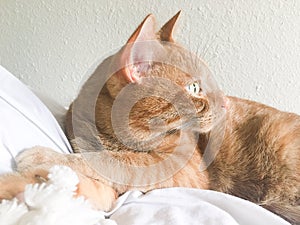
x,y
151,117
258,159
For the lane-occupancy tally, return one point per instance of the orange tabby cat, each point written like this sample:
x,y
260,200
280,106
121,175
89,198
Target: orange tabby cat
x,y
151,117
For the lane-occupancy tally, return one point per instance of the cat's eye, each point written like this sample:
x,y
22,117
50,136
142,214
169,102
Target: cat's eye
x,y
193,88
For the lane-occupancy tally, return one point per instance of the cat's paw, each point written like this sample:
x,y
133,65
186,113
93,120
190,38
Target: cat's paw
x,y
11,185
37,157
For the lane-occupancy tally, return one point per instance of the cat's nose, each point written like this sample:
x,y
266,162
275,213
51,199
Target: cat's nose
x,y
225,103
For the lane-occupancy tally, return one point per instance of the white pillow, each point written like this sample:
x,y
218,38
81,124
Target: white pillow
x,y
24,122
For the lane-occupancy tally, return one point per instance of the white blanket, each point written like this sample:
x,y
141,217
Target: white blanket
x,y
178,206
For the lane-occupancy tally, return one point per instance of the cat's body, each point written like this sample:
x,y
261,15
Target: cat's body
x,y
259,159
256,150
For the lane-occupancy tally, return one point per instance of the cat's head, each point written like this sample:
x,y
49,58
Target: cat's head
x,y
160,89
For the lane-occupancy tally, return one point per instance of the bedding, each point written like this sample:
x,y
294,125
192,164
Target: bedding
x,y
177,206
26,122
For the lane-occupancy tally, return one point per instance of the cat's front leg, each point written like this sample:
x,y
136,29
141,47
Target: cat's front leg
x,y
32,167
101,195
45,158
31,162
13,184
39,157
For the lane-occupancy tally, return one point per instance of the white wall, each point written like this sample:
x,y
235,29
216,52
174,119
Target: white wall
x,y
253,47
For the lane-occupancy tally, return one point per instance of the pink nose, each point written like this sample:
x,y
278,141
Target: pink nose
x,y
225,104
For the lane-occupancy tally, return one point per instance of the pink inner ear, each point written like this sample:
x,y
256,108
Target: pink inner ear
x,y
131,74
137,52
134,72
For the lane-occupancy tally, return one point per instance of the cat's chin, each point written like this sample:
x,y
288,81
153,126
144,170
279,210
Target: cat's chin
x,y
197,125
201,130
197,128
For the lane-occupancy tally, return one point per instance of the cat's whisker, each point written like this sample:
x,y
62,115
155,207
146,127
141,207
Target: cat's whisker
x,y
208,44
215,56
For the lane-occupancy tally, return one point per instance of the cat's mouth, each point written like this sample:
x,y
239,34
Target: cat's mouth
x,y
194,124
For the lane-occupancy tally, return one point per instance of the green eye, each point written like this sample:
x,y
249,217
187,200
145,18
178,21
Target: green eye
x,y
193,88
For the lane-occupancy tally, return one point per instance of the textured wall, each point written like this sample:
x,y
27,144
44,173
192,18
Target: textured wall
x,y
253,47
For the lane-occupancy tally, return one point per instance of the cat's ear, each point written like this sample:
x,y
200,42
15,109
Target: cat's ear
x,y
137,53
145,31
166,32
